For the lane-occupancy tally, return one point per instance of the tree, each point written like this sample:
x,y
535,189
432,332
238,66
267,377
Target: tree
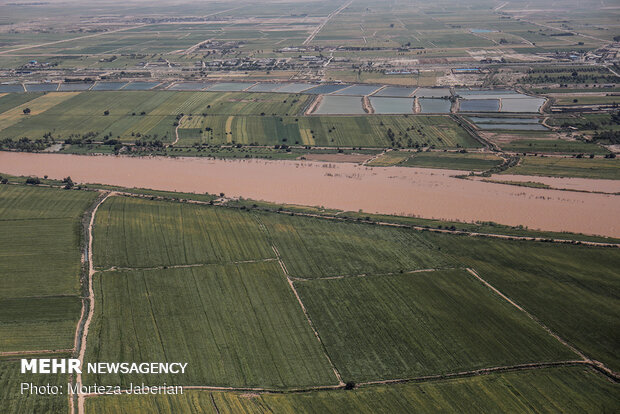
x,y
26,111
69,184
106,112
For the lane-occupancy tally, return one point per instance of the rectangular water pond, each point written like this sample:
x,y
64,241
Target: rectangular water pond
x,y
108,86
357,90
325,89
340,105
434,106
392,105
479,105
15,87
487,93
189,86
230,86
41,87
68,87
295,87
432,92
140,86
265,87
529,104
396,91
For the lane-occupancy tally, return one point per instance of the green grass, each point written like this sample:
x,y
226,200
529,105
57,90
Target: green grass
x,y
13,401
573,389
586,99
553,146
235,325
571,289
132,232
39,266
313,247
410,325
371,131
453,161
568,167
84,112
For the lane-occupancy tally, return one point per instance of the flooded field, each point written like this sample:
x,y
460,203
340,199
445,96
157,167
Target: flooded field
x,y
392,105
229,86
295,87
71,87
432,92
140,86
527,104
357,90
266,87
340,105
434,106
108,86
396,91
580,184
479,105
393,190
189,86
11,88
324,89
41,87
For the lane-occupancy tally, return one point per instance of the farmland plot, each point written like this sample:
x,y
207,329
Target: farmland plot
x,y
564,389
39,266
314,248
236,325
408,325
571,289
139,233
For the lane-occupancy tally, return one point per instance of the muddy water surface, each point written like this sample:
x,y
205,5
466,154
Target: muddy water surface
x,y
393,190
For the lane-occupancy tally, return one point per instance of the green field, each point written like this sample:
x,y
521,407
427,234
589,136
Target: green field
x,y
236,325
132,114
40,266
550,390
571,289
139,233
552,146
313,248
592,99
371,131
447,160
412,325
568,167
12,401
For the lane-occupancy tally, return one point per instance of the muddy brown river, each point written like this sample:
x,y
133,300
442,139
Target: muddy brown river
x,y
421,192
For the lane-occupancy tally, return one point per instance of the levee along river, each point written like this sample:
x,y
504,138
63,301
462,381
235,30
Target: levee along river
x,y
422,192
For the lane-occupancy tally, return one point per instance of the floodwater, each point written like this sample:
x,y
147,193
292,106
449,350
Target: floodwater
x,y
432,92
357,90
393,190
41,87
434,106
383,105
514,127
479,105
108,86
527,104
343,105
140,86
396,91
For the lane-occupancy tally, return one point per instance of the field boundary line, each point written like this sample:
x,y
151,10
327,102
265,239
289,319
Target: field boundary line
x,y
262,226
83,324
182,266
407,272
421,379
36,352
390,224
596,364
316,31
